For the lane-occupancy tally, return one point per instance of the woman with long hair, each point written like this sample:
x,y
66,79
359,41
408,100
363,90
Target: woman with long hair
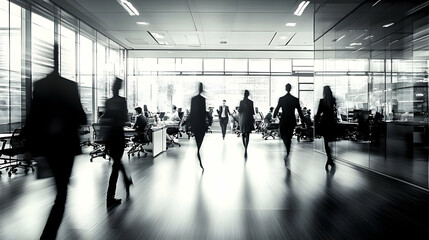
x,y
247,122
327,122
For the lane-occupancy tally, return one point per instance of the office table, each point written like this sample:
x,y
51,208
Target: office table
x,y
159,134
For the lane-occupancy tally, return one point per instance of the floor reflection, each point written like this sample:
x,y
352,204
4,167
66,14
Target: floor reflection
x,y
260,198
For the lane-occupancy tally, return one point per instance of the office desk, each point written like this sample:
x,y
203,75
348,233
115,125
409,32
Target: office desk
x,y
159,134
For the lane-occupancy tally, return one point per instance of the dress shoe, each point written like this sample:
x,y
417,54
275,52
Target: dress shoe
x,y
112,202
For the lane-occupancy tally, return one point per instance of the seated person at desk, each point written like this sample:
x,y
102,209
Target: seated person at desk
x,y
269,117
174,116
141,121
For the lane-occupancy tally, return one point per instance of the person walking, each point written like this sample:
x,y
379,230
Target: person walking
x,y
51,131
247,121
114,119
288,104
326,119
223,117
198,119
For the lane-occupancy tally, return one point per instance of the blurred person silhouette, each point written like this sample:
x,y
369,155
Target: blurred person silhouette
x,y
326,119
51,132
114,119
247,121
198,119
288,103
224,114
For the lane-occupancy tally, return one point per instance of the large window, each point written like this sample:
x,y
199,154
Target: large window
x,y
27,36
161,83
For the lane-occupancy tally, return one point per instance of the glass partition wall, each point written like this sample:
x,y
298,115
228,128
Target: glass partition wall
x,y
27,35
376,62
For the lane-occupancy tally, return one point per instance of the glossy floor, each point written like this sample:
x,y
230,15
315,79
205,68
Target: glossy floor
x,y
259,198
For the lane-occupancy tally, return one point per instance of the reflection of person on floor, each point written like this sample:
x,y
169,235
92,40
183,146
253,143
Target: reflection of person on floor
x,y
51,131
247,120
114,118
288,103
198,120
224,114
326,118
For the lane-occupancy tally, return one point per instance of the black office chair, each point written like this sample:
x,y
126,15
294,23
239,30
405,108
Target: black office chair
x,y
140,140
98,144
174,133
85,136
17,142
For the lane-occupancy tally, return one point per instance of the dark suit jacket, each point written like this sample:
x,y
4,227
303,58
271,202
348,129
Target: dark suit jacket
x,y
227,113
246,111
140,123
198,114
55,117
288,103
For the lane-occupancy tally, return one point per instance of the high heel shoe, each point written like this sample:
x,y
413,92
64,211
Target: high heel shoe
x,y
128,183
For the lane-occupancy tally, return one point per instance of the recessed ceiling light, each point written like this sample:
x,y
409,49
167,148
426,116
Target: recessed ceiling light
x,y
128,7
157,35
388,25
301,8
290,24
339,39
143,23
373,5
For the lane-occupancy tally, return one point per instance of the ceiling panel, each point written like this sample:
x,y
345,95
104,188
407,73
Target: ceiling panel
x,y
158,21
239,38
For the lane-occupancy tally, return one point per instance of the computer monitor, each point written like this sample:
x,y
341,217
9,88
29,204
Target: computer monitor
x,y
161,115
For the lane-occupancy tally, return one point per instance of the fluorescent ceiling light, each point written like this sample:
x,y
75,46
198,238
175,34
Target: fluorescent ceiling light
x,y
128,7
388,25
301,8
376,3
290,24
349,47
143,23
339,39
157,35
355,44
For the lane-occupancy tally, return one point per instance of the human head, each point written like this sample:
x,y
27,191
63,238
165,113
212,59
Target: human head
x,y
174,108
271,109
138,110
288,87
327,92
117,85
224,102
246,93
200,87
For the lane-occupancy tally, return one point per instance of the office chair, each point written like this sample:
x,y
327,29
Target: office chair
x,y
98,144
140,140
269,130
173,133
84,134
17,142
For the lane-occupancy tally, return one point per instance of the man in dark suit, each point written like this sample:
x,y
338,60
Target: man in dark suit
x,y
288,103
51,130
197,117
223,117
